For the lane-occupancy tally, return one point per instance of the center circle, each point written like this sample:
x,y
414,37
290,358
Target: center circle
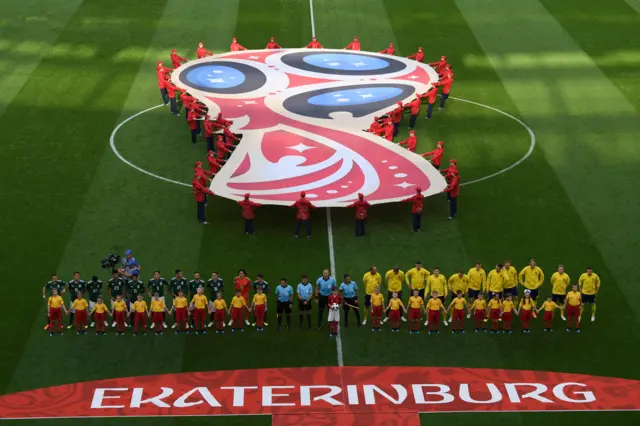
x,y
346,62
215,77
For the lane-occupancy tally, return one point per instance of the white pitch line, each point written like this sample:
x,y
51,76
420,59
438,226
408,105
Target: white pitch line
x,y
332,265
313,23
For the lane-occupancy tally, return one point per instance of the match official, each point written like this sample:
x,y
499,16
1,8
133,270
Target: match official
x,y
324,287
284,295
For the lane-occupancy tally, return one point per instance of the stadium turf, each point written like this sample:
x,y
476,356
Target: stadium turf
x,y
72,70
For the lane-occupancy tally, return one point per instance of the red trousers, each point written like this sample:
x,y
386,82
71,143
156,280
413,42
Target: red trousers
x,y
258,312
181,317
333,326
414,318
157,319
219,319
507,317
376,315
525,318
139,318
99,319
119,318
55,315
199,316
458,319
494,314
394,317
479,317
548,319
434,319
81,319
237,317
573,315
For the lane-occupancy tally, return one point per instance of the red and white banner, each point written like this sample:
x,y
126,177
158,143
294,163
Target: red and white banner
x,y
330,395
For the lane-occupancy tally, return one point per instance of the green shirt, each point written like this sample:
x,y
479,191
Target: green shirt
x,y
215,287
177,285
95,289
193,286
116,286
158,286
58,285
134,288
75,287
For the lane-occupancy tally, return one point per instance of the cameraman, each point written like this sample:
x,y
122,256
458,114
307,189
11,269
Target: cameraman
x,y
130,265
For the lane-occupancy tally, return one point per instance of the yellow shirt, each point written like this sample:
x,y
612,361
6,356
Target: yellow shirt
x,y
371,281
494,304
527,306
510,277
394,281
559,283
259,299
79,304
219,304
459,303
100,308
531,278
574,298
476,278
180,302
140,306
549,306
157,305
434,304
395,304
199,301
507,306
119,305
457,283
438,284
417,278
238,302
55,302
377,299
480,304
416,302
589,284
495,281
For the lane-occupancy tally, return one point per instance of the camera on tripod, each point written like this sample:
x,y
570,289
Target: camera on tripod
x,y
110,261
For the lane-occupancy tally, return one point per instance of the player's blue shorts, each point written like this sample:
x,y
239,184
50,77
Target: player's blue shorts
x,y
473,294
367,300
513,291
534,294
558,298
588,298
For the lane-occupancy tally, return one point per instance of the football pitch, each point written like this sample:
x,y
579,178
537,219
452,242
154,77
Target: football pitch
x,y
543,121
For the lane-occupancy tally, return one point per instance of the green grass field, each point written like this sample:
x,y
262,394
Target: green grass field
x,y
73,69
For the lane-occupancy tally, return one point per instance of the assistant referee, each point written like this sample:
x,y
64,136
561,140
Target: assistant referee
x,y
324,286
284,295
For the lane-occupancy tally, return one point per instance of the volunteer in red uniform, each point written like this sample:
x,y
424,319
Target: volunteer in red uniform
x,y
209,128
314,44
411,141
415,109
388,130
272,44
354,45
235,46
229,137
199,191
451,170
440,65
171,92
214,164
391,50
194,124
361,206
221,147
417,202
161,72
376,127
445,82
223,122
418,56
431,98
303,216
201,52
248,208
176,59
396,117
453,190
436,155
202,174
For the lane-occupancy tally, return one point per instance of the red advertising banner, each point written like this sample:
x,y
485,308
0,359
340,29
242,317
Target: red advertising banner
x,y
328,395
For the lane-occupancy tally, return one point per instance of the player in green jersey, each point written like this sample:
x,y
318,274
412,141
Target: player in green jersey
x,y
178,284
159,285
74,286
115,288
215,286
94,288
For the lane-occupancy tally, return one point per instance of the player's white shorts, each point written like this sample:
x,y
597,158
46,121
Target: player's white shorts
x,y
71,308
91,305
162,298
334,315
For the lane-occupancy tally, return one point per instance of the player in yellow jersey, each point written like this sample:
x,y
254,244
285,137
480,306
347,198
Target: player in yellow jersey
x,y
478,308
220,308
573,306
507,308
589,287
434,307
526,308
139,310
416,278
377,305
416,307
100,310
370,281
80,306
394,306
55,305
510,281
120,310
495,282
200,308
559,284
477,277
494,312
259,306
438,283
394,278
531,277
457,309
548,306
158,309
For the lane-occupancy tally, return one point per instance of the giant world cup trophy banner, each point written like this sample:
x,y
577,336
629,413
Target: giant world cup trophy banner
x,y
302,113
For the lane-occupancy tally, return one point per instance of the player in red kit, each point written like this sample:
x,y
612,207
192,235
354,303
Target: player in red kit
x,y
431,99
272,44
235,46
314,44
354,45
214,164
417,203
453,190
248,208
201,52
222,148
418,56
391,50
415,109
242,283
388,130
361,206
440,65
436,155
396,117
445,82
450,171
199,191
334,301
411,141
176,59
303,216
161,72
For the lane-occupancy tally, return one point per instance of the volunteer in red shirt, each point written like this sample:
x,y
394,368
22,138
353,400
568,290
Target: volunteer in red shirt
x,y
209,128
361,206
222,148
272,44
176,59
445,82
236,47
376,127
415,109
161,72
193,119
388,130
171,92
418,56
199,193
203,175
396,117
440,65
417,202
314,44
391,50
303,216
451,170
214,164
431,98
354,45
248,208
453,190
411,141
201,52
436,155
